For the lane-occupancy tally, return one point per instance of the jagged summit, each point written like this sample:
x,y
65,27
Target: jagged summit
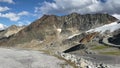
x,y
46,27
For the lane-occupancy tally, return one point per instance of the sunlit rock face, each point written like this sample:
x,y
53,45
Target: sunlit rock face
x,y
12,58
52,26
10,31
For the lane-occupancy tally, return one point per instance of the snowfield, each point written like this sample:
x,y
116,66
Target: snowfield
x,y
12,58
111,27
108,27
73,35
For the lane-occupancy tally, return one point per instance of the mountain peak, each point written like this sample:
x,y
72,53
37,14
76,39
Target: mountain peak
x,y
47,26
12,27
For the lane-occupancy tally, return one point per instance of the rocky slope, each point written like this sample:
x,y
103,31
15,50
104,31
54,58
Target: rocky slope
x,y
92,61
51,30
73,33
10,31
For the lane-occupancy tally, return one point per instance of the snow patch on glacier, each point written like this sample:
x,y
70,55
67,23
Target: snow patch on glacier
x,y
108,27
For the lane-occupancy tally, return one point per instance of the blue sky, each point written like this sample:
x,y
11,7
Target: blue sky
x,y
23,12
19,6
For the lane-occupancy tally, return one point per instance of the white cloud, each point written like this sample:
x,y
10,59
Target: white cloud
x,y
23,13
2,9
14,16
11,16
2,26
8,1
83,7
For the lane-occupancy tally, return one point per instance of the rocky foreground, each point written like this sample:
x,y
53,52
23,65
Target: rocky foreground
x,y
17,58
92,61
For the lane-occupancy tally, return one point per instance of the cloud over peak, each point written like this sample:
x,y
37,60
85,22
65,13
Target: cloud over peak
x,y
83,7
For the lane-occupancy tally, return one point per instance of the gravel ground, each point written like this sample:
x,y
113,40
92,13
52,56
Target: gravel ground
x,y
13,58
112,61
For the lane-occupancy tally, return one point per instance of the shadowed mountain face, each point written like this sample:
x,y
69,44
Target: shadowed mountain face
x,y
55,26
115,39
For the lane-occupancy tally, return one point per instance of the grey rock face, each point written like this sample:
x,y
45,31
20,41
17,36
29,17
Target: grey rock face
x,y
48,25
85,22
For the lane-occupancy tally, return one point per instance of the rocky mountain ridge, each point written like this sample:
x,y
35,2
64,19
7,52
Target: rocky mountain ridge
x,y
73,33
47,26
10,31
